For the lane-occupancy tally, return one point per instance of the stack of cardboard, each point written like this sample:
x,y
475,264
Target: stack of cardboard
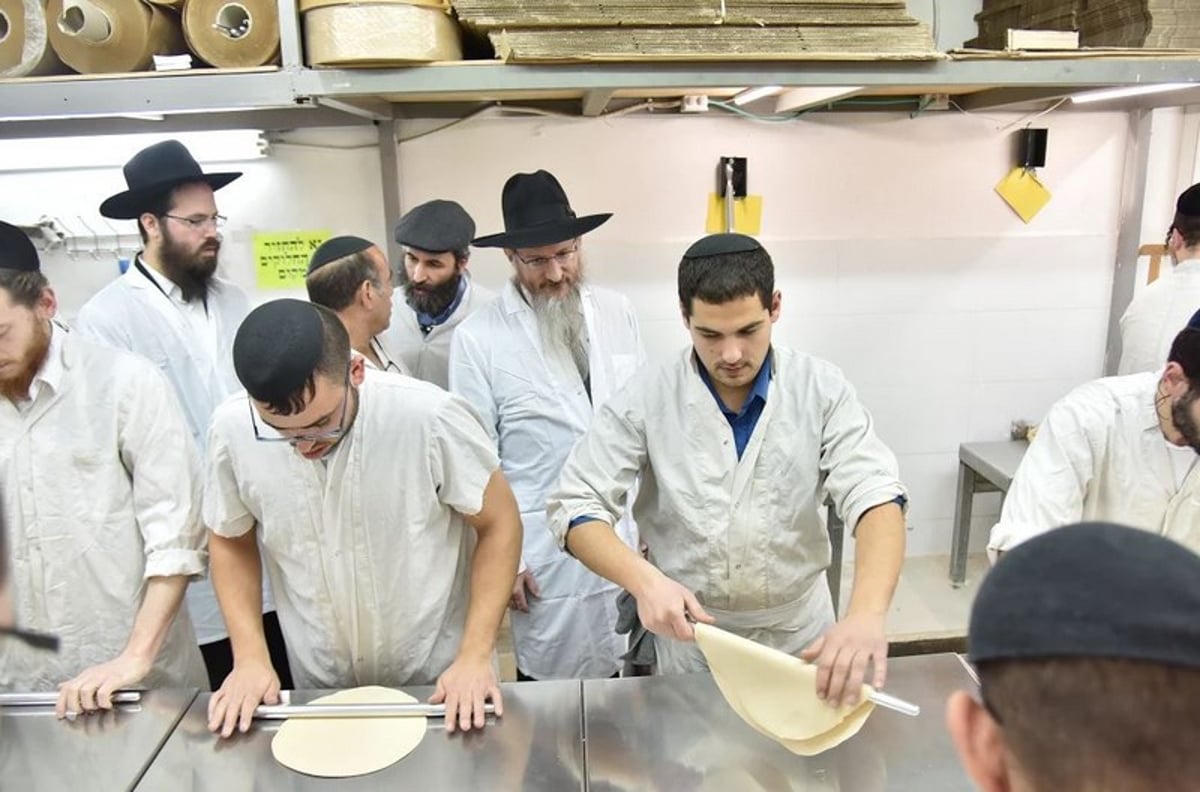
x,y
1101,23
1000,16
588,30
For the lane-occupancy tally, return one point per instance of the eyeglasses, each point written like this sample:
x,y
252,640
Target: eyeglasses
x,y
560,258
198,222
297,437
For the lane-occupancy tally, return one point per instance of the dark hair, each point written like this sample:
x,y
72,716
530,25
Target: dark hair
x,y
725,277
462,254
332,365
24,287
1185,350
1188,227
1098,723
335,284
157,205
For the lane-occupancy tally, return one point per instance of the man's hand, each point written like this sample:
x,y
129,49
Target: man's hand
x,y
252,682
464,687
664,606
93,689
842,654
524,581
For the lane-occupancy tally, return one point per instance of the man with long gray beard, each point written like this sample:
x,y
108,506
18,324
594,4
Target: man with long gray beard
x,y
536,364
438,293
171,308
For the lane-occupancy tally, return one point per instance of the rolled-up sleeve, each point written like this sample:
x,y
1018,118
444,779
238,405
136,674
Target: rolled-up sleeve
x,y
860,471
225,513
601,469
156,448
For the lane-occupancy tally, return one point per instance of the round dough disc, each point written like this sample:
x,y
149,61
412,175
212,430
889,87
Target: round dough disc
x,y
344,747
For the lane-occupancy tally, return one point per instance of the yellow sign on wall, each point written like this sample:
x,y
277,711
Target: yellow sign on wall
x,y
281,258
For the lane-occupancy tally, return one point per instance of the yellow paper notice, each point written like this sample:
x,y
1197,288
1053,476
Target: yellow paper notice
x,y
747,215
281,258
1021,190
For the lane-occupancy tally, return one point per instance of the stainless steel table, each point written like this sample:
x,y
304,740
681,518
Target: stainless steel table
x,y
982,467
677,733
105,751
536,745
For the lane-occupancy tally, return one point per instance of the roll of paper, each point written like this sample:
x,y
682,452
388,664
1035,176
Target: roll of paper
x,y
176,4
233,34
379,34
107,36
309,5
24,44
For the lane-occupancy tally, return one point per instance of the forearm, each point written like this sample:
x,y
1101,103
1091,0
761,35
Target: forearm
x,y
598,547
493,569
160,604
878,557
237,579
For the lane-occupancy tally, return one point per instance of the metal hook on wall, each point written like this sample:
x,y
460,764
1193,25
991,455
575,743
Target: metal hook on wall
x,y
70,239
95,238
116,251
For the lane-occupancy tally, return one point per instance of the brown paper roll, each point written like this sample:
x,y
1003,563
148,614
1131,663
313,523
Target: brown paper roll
x,y
107,36
379,34
24,45
233,34
309,5
176,4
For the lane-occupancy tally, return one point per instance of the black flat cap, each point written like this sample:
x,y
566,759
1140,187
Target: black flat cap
x,y
436,227
277,348
337,248
1189,201
16,251
1091,590
719,244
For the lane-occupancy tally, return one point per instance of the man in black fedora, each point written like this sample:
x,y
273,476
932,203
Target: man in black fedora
x,y
537,363
172,308
438,293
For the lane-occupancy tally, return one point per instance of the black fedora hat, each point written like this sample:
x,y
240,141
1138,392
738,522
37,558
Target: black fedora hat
x,y
536,213
153,171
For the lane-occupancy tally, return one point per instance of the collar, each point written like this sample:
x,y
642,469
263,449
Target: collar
x,y
758,390
427,320
158,280
50,375
1188,265
1148,407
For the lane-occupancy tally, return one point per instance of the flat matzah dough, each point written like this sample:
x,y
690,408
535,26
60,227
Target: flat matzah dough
x,y
344,747
776,693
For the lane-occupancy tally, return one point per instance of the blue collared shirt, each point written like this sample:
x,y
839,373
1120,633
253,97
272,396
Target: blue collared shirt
x,y
744,421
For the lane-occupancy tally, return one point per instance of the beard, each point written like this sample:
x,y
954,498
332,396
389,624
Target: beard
x,y
560,320
432,300
191,270
1185,423
16,387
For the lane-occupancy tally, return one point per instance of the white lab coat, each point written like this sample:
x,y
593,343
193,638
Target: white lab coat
x,y
390,362
196,355
367,550
101,491
1155,317
1100,455
427,357
746,535
536,412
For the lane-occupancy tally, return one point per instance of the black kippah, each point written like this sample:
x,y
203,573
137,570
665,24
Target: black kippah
x,y
336,248
1194,322
277,348
1189,201
16,251
1091,590
718,244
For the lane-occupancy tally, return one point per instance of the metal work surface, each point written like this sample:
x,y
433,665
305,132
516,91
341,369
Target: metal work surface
x,y
995,462
982,467
105,751
677,733
536,745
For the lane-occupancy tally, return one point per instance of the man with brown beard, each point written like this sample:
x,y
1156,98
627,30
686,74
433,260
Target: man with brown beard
x,y
101,503
1120,449
536,364
171,308
438,291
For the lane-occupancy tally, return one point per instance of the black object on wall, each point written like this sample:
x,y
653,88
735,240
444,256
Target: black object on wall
x,y
1031,148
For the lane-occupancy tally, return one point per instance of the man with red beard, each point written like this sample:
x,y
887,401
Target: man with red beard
x,y
171,308
438,291
537,363
101,503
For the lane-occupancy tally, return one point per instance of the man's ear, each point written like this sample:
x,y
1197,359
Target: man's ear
x,y
358,369
980,743
47,304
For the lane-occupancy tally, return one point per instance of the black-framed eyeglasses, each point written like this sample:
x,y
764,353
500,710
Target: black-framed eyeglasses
x,y
560,258
35,640
198,222
313,437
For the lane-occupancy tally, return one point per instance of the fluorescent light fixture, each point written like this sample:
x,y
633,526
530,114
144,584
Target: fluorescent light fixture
x,y
813,96
750,94
1124,91
107,151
